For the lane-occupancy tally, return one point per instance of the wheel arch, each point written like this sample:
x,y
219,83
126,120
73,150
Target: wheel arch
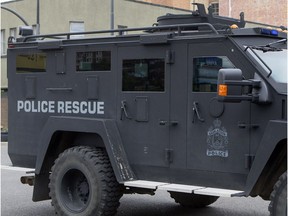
x,y
62,140
274,168
270,161
60,133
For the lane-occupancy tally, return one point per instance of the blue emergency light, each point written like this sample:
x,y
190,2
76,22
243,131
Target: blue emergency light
x,y
271,32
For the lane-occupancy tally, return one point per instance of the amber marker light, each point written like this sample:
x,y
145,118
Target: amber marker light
x,y
234,26
222,91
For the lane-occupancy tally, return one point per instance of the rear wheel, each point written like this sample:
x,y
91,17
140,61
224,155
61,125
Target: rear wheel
x,y
278,205
193,200
82,183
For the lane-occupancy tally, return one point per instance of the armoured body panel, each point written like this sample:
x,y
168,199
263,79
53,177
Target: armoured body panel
x,y
150,100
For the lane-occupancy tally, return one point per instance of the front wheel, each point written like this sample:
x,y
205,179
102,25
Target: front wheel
x,y
82,183
278,205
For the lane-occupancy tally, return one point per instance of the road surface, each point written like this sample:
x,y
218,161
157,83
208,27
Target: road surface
x,y
16,200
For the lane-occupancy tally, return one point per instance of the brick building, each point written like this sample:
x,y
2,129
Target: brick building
x,y
260,11
184,4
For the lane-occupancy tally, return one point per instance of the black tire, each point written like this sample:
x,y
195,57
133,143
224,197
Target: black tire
x,y
193,200
278,197
82,183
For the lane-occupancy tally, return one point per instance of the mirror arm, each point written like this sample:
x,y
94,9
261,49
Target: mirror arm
x,y
253,97
251,82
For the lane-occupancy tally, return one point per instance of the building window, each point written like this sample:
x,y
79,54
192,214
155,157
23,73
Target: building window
x,y
205,72
143,75
215,8
93,61
34,27
3,42
13,32
31,63
77,26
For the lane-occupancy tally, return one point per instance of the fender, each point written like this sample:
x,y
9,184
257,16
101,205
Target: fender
x,y
274,133
106,128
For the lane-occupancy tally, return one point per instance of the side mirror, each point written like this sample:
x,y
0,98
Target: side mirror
x,y
232,88
229,93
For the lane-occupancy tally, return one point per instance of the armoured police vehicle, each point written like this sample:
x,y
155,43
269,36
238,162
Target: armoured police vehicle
x,y
192,105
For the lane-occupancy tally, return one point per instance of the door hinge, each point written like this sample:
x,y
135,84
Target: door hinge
x,y
170,57
169,155
243,125
249,160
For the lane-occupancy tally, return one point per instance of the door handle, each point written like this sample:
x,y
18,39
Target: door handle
x,y
174,123
162,122
124,110
196,112
171,123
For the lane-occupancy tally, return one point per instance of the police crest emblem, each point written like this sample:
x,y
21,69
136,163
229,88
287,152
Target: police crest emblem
x,y
217,140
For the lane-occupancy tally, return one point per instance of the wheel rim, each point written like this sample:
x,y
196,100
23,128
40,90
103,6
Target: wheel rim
x,y
75,191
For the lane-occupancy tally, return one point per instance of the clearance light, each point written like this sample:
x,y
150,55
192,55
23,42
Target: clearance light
x,y
222,91
272,32
234,26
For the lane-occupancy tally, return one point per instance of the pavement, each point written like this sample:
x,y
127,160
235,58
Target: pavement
x,y
16,200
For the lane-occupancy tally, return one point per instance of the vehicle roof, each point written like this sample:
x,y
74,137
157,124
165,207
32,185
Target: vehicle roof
x,y
196,25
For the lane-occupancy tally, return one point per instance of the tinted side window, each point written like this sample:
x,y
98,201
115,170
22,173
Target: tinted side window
x,y
205,72
143,75
93,61
31,62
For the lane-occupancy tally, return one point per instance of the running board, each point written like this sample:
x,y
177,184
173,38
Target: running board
x,y
184,188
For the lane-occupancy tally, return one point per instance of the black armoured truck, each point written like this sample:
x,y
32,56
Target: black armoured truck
x,y
194,105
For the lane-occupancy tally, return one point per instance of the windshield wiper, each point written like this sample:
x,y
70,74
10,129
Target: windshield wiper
x,y
268,47
277,42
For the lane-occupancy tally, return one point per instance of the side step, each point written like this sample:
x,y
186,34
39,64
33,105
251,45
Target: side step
x,y
184,188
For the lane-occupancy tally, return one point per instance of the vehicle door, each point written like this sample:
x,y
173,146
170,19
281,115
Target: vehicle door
x,y
143,108
217,133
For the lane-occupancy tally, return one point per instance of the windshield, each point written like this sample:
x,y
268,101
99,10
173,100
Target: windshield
x,y
276,61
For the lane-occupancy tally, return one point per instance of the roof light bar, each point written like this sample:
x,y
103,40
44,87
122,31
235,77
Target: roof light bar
x,y
271,32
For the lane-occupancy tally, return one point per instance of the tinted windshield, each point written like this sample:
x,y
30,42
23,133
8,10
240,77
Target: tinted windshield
x,y
276,61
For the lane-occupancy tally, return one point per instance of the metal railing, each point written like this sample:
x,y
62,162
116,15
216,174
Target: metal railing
x,y
177,29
